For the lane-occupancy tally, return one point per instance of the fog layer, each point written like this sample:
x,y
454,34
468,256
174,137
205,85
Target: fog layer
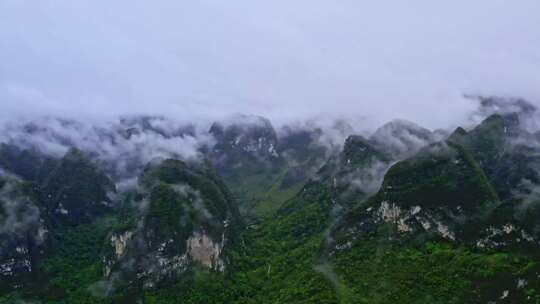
x,y
369,62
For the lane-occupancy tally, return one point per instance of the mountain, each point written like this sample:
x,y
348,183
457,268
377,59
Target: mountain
x,y
29,164
23,232
402,138
263,168
440,191
266,215
76,190
41,198
244,146
503,151
185,216
72,187
454,200
304,153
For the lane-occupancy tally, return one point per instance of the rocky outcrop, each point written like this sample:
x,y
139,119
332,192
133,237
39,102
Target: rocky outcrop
x,y
186,218
119,242
204,250
441,192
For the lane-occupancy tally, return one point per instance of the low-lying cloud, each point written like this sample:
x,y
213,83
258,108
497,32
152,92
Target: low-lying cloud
x,y
122,146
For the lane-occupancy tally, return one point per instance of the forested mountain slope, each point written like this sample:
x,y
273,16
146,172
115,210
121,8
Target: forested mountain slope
x,y
405,215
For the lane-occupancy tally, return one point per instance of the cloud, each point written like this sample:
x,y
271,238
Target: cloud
x,y
369,179
122,146
366,61
196,201
403,138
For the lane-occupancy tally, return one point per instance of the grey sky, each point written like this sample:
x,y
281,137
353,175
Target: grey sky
x,y
282,59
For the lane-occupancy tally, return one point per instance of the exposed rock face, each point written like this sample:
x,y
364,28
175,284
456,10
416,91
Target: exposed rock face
x,y
478,187
439,192
186,217
119,242
161,265
204,250
200,248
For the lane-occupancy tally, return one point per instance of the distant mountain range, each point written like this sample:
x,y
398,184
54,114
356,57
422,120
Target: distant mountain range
x,y
148,210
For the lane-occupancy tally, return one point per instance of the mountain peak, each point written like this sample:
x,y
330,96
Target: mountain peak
x,y
402,138
241,121
506,125
495,104
358,149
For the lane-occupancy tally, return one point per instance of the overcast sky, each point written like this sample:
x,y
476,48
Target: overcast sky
x,y
283,59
